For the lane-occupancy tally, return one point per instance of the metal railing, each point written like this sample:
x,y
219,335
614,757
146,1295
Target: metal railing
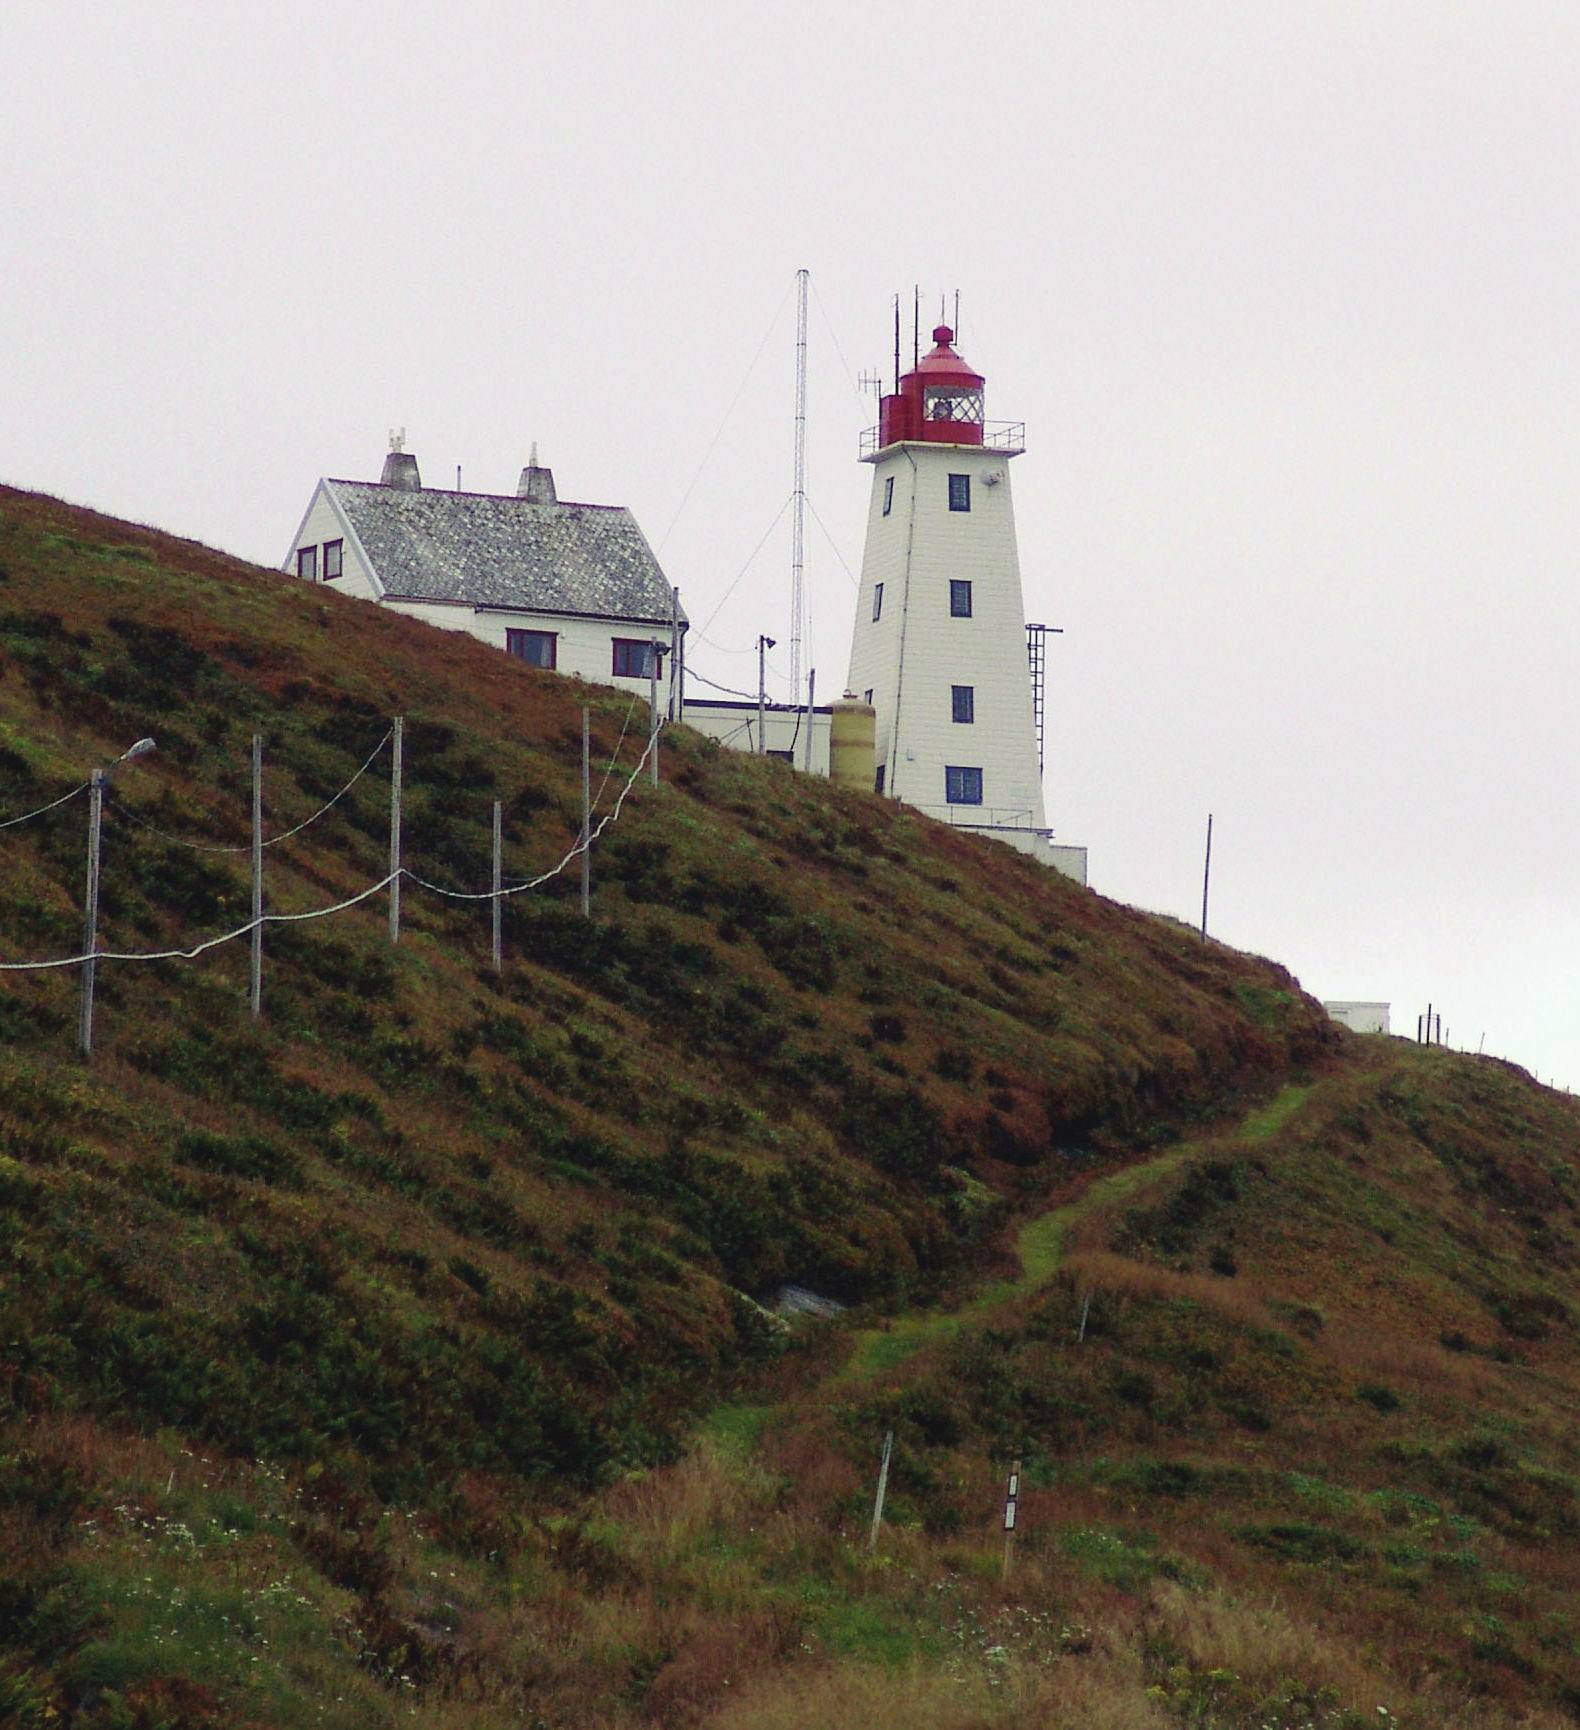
x,y
1008,437
981,816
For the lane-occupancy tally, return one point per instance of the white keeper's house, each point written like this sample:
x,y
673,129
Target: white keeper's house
x,y
571,588
574,588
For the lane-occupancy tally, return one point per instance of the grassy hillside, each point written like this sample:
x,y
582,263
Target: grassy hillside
x,y
402,1354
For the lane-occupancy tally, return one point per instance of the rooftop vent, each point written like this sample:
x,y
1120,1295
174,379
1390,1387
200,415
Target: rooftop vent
x,y
400,466
536,485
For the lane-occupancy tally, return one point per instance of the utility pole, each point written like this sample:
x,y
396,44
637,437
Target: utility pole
x,y
811,705
798,515
1206,877
97,782
678,675
586,815
883,1487
90,932
674,656
764,644
499,836
256,992
652,713
1010,1503
395,790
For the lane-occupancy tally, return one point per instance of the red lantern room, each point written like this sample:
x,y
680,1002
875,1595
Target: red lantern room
x,y
939,403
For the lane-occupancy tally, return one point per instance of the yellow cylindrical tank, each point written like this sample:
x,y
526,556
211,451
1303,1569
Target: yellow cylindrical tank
x,y
852,743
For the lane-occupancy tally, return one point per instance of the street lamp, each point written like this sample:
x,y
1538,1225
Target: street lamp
x,y
764,644
97,782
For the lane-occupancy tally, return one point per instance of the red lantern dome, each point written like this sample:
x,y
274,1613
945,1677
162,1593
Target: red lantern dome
x,y
939,402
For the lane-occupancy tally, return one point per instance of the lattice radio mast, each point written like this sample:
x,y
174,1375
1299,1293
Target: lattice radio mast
x,y
798,515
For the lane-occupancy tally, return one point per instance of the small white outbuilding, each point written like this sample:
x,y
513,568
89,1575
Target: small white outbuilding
x,y
1360,1017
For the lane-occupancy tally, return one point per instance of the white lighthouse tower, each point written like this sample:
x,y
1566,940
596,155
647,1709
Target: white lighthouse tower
x,y
940,648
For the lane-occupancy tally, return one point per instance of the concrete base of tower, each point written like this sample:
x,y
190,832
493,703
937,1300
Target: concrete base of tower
x,y
1038,843
1070,860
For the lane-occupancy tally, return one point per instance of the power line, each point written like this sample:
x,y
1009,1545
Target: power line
x,y
707,455
208,943
554,871
208,847
614,757
833,544
385,882
11,822
729,690
751,559
850,377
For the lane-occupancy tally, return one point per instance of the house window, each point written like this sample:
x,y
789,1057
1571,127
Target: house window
x,y
962,786
783,756
877,783
633,659
536,648
888,495
877,602
334,560
307,564
959,599
960,492
964,700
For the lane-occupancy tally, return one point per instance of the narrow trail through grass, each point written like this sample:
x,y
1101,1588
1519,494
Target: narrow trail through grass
x,y
1040,1245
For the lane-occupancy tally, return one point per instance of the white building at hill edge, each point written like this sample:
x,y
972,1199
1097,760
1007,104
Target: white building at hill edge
x,y
571,588
940,647
1360,1017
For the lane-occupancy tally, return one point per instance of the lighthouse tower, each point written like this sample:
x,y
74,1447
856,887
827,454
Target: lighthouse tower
x,y
940,640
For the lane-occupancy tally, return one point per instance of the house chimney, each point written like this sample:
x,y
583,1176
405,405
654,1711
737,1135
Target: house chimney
x,y
400,466
536,485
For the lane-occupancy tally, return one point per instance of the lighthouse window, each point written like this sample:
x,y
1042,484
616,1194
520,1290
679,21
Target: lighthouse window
x,y
888,495
950,402
307,564
962,786
959,598
965,702
633,659
960,492
877,602
536,648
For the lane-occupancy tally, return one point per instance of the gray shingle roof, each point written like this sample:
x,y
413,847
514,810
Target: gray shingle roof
x,y
492,551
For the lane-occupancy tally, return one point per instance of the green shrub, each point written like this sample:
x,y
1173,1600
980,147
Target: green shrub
x,y
1295,1541
247,1156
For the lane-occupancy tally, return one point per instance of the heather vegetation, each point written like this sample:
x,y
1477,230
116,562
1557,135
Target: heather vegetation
x,y
410,1354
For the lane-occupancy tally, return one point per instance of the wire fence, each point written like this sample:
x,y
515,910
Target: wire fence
x,y
90,954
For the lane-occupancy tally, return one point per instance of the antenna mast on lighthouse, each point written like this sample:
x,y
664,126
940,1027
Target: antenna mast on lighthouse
x,y
798,516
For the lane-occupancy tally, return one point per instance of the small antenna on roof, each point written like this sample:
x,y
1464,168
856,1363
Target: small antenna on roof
x,y
896,345
397,439
916,326
957,315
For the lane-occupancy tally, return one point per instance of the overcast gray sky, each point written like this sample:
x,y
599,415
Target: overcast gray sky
x,y
1284,293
